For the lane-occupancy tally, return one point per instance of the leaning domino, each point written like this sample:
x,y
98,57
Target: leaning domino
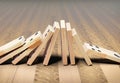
x,y
102,52
12,45
29,42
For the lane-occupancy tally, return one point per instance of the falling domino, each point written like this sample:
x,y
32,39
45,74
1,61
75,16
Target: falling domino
x,y
26,52
38,41
102,52
46,37
52,43
64,42
79,45
12,45
29,42
70,43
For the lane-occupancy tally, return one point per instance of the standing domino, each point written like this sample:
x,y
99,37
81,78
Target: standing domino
x,y
70,43
64,42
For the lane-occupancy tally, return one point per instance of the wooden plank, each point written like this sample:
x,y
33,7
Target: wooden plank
x,y
46,37
24,74
29,42
7,73
70,43
47,74
68,74
25,53
64,42
111,72
12,45
102,52
79,45
52,43
91,74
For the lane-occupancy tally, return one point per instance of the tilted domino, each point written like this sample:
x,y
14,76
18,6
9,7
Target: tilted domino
x,y
70,43
29,42
46,37
26,52
12,45
52,43
79,44
102,52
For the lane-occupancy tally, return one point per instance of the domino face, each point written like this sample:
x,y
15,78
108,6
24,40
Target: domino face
x,y
46,36
26,52
47,30
56,25
62,23
74,32
12,45
68,27
109,54
36,37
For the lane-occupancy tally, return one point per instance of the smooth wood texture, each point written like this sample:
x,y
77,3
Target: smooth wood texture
x,y
64,42
8,73
70,43
80,47
24,17
22,70
12,45
94,73
113,77
52,43
46,37
69,74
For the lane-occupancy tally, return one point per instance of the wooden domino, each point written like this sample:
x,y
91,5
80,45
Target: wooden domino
x,y
64,42
46,37
12,45
26,53
79,45
70,43
29,42
52,43
102,52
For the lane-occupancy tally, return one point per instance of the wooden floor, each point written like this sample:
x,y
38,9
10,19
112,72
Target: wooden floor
x,y
96,21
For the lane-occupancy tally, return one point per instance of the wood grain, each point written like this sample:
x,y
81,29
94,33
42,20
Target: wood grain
x,y
69,74
96,21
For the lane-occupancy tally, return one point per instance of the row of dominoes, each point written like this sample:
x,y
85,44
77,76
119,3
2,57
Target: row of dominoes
x,y
38,41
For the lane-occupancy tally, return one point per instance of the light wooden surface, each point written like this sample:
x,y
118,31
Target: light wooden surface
x,y
71,76
96,21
